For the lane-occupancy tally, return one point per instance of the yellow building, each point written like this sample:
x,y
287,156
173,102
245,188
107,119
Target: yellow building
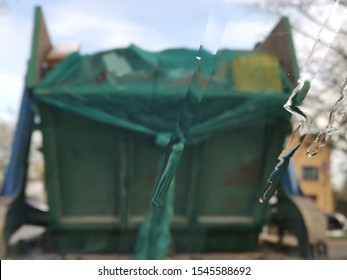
x,y
314,175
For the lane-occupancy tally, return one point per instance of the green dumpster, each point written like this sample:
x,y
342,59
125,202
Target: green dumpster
x,y
107,117
104,117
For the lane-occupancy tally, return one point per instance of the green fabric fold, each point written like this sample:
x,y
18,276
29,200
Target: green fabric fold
x,y
168,174
154,239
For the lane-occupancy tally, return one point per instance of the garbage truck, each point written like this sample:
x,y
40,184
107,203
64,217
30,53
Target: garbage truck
x,y
107,120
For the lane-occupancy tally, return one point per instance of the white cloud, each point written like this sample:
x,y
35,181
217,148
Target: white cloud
x,y
12,82
244,34
99,31
100,25
11,88
15,34
15,47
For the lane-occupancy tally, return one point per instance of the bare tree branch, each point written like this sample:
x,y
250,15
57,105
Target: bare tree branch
x,y
333,71
338,50
314,20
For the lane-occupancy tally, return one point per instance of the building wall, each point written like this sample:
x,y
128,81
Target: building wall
x,y
314,175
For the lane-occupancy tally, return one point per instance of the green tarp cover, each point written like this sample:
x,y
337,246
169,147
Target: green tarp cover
x,y
143,91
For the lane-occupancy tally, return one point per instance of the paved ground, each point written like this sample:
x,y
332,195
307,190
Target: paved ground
x,y
337,249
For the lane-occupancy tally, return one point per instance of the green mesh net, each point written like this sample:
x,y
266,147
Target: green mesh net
x,y
98,109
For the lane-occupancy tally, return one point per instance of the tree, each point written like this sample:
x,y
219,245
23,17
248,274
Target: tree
x,y
307,19
6,132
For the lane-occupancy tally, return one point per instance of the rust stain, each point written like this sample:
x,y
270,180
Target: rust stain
x,y
247,175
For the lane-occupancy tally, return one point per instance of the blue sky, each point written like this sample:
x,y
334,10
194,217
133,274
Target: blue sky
x,y
107,24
